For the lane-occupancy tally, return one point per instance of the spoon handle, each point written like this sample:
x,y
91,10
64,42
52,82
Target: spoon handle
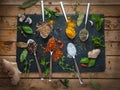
x,y
78,73
50,75
86,18
38,67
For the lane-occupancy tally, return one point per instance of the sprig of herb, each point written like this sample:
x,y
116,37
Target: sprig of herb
x,y
27,66
65,82
98,20
97,41
23,55
65,66
51,14
45,64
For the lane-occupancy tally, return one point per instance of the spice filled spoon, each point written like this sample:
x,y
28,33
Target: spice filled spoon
x,y
84,34
71,50
32,47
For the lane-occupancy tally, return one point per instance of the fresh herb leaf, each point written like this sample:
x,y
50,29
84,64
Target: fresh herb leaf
x,y
45,63
65,66
98,20
23,55
27,29
97,41
46,72
84,60
91,63
51,14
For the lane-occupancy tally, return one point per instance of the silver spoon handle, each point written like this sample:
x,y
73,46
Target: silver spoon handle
x,y
50,75
78,73
38,67
86,18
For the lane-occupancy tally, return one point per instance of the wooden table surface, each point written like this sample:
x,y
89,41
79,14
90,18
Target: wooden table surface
x,y
109,79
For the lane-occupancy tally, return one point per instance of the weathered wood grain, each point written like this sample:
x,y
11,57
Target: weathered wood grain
x,y
16,2
14,10
112,70
35,84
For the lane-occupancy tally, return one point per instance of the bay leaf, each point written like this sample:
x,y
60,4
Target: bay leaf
x,y
22,44
80,19
23,55
28,3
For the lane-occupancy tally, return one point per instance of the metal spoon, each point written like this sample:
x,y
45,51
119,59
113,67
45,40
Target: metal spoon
x,y
50,75
34,52
83,34
71,49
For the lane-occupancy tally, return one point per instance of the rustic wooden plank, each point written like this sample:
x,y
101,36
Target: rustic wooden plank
x,y
14,10
7,48
8,35
15,2
111,23
36,84
112,70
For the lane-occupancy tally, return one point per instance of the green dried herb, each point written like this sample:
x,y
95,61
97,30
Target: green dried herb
x,y
98,20
28,3
97,41
27,29
65,66
80,19
23,55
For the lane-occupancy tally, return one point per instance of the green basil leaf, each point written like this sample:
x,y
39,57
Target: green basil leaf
x,y
91,63
80,19
23,55
27,29
84,60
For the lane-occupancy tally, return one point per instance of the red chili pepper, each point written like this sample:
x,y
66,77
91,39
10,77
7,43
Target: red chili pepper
x,y
84,65
57,9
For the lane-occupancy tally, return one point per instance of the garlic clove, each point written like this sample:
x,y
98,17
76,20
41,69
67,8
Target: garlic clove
x,y
91,22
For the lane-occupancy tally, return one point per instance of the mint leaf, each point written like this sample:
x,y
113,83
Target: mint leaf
x,y
91,62
23,55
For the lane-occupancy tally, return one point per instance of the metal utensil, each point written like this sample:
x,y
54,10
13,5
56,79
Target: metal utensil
x,y
84,34
63,10
34,52
50,75
71,49
42,8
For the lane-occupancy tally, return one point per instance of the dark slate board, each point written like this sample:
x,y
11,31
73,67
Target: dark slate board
x,y
82,48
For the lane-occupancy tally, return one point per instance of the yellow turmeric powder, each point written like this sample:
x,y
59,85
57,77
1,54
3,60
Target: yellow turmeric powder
x,y
70,30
